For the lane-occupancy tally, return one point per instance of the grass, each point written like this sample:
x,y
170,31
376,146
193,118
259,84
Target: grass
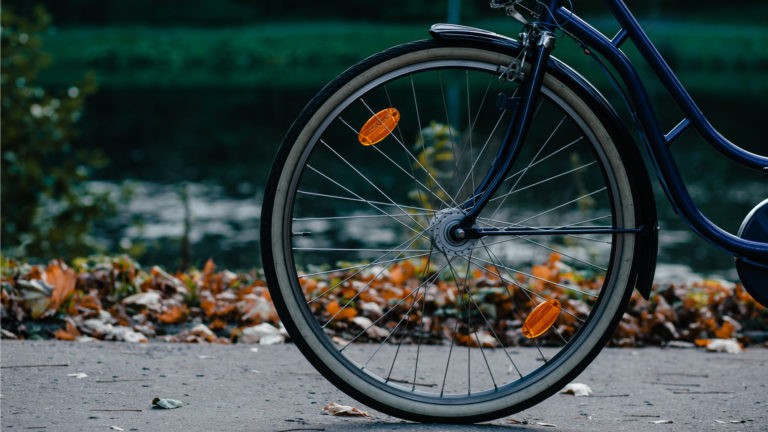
x,y
708,57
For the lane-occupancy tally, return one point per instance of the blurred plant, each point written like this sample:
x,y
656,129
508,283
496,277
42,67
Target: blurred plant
x,y
47,208
434,149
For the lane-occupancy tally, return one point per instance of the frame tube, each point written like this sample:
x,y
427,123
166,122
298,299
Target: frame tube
x,y
657,144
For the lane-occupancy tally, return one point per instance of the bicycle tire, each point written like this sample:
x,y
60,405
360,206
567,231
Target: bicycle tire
x,y
285,266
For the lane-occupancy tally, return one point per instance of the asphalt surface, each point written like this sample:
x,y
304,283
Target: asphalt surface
x,y
273,388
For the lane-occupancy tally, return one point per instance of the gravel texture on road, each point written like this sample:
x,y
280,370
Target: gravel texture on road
x,y
273,388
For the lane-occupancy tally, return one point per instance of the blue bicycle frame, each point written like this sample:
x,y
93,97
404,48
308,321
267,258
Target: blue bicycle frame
x,y
656,142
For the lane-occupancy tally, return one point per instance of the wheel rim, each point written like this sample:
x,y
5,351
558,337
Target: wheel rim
x,y
452,387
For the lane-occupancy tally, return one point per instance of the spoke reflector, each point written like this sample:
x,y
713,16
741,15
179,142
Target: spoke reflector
x,y
379,126
541,318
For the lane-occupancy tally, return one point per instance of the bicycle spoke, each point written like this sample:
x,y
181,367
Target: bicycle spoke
x,y
422,185
559,206
474,163
514,191
371,203
555,330
304,219
401,301
358,199
400,342
467,289
421,317
408,152
525,170
448,123
402,138
359,266
384,194
576,141
408,242
569,288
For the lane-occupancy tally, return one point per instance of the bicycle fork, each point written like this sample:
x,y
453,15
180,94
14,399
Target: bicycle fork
x,y
537,46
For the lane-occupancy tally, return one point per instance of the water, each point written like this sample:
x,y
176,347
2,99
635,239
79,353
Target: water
x,y
219,142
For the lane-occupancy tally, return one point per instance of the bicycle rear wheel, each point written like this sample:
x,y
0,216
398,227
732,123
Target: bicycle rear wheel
x,y
375,295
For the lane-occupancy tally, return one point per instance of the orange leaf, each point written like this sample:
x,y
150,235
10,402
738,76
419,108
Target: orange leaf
x,y
62,334
90,302
333,309
209,268
173,314
71,329
542,272
701,342
217,324
726,331
308,285
63,280
554,258
401,272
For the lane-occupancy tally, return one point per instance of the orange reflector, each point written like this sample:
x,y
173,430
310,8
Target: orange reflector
x,y
541,318
379,126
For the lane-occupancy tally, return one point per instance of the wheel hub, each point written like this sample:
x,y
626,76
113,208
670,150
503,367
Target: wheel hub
x,y
440,231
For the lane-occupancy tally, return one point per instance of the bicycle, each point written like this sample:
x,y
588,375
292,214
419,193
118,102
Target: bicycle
x,y
493,200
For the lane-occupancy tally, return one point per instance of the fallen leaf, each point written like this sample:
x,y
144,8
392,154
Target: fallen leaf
x,y
701,342
8,335
63,280
173,314
343,410
726,331
661,422
336,311
513,421
730,346
400,273
35,296
117,428
202,331
544,424
78,375
577,389
263,334
150,299
166,403
62,334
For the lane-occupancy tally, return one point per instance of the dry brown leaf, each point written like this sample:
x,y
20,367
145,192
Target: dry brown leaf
x,y
577,389
514,421
62,334
173,314
726,331
343,410
336,311
63,279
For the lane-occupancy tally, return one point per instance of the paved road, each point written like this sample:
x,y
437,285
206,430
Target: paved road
x,y
233,388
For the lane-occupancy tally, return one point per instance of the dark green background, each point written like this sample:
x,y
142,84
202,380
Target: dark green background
x,y
200,92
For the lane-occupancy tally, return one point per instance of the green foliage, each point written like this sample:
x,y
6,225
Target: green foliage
x,y
435,148
47,209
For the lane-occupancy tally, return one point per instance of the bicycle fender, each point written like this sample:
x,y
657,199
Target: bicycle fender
x,y
645,210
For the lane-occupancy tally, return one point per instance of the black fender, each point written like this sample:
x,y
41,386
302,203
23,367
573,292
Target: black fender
x,y
645,209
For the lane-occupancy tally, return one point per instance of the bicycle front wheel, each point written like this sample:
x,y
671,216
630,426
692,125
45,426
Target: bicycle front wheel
x,y
395,312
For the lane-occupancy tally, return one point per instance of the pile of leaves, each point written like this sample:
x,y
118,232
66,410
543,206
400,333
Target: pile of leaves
x,y
114,298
